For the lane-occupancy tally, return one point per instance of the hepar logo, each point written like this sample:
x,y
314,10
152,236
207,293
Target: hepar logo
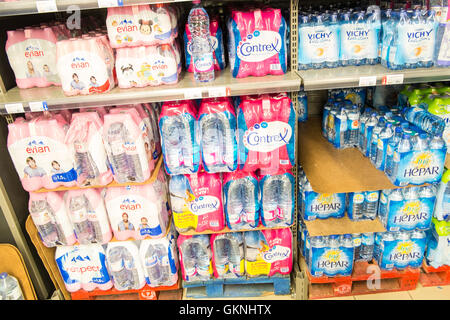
x,y
267,136
130,205
34,147
259,46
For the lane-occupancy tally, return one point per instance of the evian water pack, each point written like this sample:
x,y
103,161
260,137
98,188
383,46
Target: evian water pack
x,y
196,201
268,252
39,154
83,267
257,42
266,132
137,212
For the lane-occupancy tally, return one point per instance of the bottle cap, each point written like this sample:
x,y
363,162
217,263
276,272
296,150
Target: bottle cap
x,y
3,275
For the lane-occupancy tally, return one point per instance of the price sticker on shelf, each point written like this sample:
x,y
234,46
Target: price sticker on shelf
x,y
14,107
218,92
46,6
392,79
38,106
109,3
195,93
367,81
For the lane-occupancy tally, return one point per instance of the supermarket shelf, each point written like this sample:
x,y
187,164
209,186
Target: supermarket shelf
x,y
346,77
330,170
186,88
113,183
23,7
330,226
227,230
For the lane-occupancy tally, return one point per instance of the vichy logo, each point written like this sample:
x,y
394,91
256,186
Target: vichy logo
x,y
267,136
419,34
259,46
319,35
37,147
204,204
276,253
357,33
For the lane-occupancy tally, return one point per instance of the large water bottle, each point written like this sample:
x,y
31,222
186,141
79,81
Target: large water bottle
x,y
383,138
131,268
356,237
353,126
374,139
420,142
371,204
315,243
357,207
365,115
119,160
402,263
202,49
367,245
84,162
426,121
49,231
441,57
221,255
119,273
391,147
84,230
326,111
10,288
341,131
368,129
151,264
163,263
404,147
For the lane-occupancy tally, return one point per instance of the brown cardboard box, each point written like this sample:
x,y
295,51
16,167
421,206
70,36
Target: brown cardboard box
x,y
11,261
330,226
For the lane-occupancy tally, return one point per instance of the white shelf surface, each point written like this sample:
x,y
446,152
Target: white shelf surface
x,y
347,77
186,88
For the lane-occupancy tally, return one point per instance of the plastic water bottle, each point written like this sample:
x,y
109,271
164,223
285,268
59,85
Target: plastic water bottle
x,y
221,254
333,26
48,228
235,254
214,147
152,265
404,147
420,142
365,115
179,147
367,245
84,231
371,204
400,237
84,162
317,242
391,147
341,132
353,126
202,49
374,139
119,160
383,138
368,129
326,112
357,205
131,269
419,238
356,245
10,288
437,143
347,242
117,268
426,121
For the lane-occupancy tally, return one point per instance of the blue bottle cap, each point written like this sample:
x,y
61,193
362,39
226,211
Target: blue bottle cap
x,y
3,275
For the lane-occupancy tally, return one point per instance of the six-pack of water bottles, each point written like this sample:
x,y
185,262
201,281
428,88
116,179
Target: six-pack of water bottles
x,y
126,265
236,254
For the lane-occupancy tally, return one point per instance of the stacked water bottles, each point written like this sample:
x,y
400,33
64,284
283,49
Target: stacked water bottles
x,y
236,254
250,155
405,143
302,106
126,265
334,255
342,37
145,39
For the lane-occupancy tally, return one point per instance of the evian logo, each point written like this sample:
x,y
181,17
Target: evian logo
x,y
204,204
37,147
125,26
276,253
130,205
259,46
267,136
31,51
79,63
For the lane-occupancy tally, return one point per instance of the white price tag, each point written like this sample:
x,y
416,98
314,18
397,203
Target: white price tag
x,y
109,3
367,81
46,6
195,93
218,92
38,106
14,107
392,79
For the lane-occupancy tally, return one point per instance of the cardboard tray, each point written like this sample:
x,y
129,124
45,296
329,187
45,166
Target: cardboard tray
x,y
330,226
11,261
330,170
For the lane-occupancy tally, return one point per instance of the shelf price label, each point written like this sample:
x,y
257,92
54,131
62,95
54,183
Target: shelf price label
x,y
194,93
38,106
14,107
392,79
219,92
46,6
368,81
109,3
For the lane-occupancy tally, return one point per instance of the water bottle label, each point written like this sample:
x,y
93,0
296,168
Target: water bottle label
x,y
267,136
204,63
331,261
259,267
358,198
372,196
185,220
356,242
79,215
358,41
418,167
416,42
319,44
354,124
42,218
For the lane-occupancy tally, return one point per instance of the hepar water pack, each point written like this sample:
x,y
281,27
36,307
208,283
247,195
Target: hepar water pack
x,y
179,137
322,205
136,212
266,132
83,267
268,252
84,139
85,65
87,212
32,56
147,66
50,217
142,25
241,200
195,257
196,201
39,154
124,265
217,130
228,255
257,42
216,41
159,258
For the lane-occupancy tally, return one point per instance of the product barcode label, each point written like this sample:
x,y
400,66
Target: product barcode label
x,y
46,6
275,67
367,81
284,161
14,107
218,92
214,223
38,106
193,93
110,3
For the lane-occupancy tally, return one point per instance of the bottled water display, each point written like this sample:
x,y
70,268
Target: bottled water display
x,y
195,257
228,255
438,245
10,287
362,205
201,48
302,106
442,208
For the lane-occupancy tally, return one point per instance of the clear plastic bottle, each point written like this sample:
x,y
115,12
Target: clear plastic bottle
x,y
367,246
10,288
202,49
84,230
383,138
85,165
152,265
221,255
374,139
49,229
353,117
116,139
404,147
